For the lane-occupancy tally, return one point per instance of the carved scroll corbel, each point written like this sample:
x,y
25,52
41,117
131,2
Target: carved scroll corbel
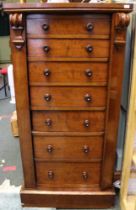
x,y
121,22
17,26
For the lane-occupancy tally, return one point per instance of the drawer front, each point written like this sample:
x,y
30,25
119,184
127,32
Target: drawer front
x,y
68,48
85,148
67,174
78,121
68,96
67,72
47,25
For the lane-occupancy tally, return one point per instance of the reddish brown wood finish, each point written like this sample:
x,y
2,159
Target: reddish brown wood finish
x,y
36,24
58,174
68,48
68,121
68,148
70,79
118,41
68,73
19,60
64,199
68,96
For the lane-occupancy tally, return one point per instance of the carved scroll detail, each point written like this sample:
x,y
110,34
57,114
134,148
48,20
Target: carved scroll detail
x,y
17,25
121,22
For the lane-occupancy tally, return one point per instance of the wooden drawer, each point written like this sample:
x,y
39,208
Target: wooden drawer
x,y
77,26
67,72
59,174
68,48
77,148
78,121
43,97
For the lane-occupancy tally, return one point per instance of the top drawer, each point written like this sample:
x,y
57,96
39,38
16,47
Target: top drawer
x,y
85,26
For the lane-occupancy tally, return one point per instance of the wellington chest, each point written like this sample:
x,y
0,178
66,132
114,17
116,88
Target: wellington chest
x,y
68,68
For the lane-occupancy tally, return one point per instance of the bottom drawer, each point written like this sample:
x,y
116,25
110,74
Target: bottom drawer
x,y
68,174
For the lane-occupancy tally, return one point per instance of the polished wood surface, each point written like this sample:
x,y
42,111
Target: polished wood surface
x,y
68,148
78,121
58,174
79,48
87,26
68,72
68,61
68,96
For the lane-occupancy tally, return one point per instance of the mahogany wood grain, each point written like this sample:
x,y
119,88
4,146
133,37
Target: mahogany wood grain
x,y
67,174
64,199
68,121
53,138
68,48
65,72
19,60
76,8
68,148
36,23
68,96
117,53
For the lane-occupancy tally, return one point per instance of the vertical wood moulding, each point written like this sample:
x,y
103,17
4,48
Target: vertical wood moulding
x,y
120,22
18,45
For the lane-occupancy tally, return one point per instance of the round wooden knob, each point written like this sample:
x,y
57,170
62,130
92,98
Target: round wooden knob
x,y
89,48
90,27
45,27
49,148
50,174
88,73
47,97
46,49
47,72
86,123
48,122
88,98
86,149
85,175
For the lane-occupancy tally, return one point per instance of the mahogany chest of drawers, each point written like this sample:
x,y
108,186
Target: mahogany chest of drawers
x,y
68,68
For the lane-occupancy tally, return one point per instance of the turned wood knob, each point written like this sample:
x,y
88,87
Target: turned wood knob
x,y
47,72
86,149
88,73
88,98
89,48
90,27
45,27
46,49
49,148
86,123
47,97
85,175
50,174
48,122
